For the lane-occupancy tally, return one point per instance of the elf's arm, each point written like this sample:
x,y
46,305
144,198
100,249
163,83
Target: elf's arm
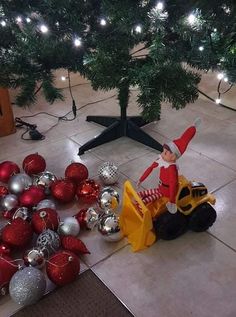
x,y
148,172
173,186
173,183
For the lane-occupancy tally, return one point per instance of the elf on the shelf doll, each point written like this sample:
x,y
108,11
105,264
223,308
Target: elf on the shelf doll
x,y
168,179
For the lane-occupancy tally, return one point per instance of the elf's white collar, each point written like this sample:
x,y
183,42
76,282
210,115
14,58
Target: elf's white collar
x,y
162,163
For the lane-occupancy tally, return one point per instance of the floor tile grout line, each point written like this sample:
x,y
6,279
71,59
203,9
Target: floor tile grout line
x,y
221,241
107,257
41,146
135,158
210,158
200,153
114,293
222,186
102,159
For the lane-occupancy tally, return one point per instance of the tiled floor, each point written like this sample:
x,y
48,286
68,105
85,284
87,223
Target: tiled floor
x,y
194,275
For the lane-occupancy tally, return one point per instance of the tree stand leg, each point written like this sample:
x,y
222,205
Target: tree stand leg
x,y
118,127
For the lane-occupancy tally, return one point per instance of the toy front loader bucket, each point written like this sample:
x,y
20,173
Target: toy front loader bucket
x,y
136,220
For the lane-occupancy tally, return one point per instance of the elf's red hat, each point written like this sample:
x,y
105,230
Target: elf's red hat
x,y
179,146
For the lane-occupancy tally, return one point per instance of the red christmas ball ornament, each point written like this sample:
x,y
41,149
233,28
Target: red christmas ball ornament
x,y
87,218
87,191
7,270
34,164
18,233
32,196
3,191
45,218
63,267
77,172
81,218
8,214
74,245
4,249
7,169
63,190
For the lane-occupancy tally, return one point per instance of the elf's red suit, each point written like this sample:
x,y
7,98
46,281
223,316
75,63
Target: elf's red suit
x,y
168,183
168,179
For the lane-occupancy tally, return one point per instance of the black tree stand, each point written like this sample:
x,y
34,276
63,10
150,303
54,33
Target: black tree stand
x,y
120,126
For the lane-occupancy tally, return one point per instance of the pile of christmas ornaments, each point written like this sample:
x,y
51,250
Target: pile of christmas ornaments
x,y
34,228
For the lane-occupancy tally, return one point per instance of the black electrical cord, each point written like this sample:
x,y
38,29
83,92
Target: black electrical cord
x,y
220,104
31,128
65,115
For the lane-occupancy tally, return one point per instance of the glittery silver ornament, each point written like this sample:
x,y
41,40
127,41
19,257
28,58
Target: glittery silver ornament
x,y
21,212
48,241
46,203
108,173
69,227
108,199
45,178
27,286
34,257
18,183
9,202
109,228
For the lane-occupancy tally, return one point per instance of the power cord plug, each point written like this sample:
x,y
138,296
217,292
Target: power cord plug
x,y
36,135
31,128
74,109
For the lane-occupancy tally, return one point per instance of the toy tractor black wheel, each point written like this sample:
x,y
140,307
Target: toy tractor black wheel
x,y
170,226
202,218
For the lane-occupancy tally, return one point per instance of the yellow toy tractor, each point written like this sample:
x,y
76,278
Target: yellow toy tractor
x,y
143,224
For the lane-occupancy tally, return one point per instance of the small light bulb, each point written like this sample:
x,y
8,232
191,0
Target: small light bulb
x,y
218,100
220,76
19,19
43,28
57,23
28,20
226,9
103,22
191,18
138,29
160,6
201,48
77,42
215,30
226,79
63,78
3,23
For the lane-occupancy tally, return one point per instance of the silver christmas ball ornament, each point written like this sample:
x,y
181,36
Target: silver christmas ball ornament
x,y
69,227
19,182
9,202
34,257
21,212
45,178
46,203
91,218
48,241
27,286
109,228
108,199
108,173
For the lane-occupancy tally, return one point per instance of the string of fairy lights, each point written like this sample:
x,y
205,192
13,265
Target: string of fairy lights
x,y
192,19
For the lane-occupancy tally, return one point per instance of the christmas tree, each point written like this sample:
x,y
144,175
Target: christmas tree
x,y
158,47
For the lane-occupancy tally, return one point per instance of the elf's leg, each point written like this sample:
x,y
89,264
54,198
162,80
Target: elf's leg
x,y
150,195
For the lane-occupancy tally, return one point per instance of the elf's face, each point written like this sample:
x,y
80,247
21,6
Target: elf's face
x,y
168,156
